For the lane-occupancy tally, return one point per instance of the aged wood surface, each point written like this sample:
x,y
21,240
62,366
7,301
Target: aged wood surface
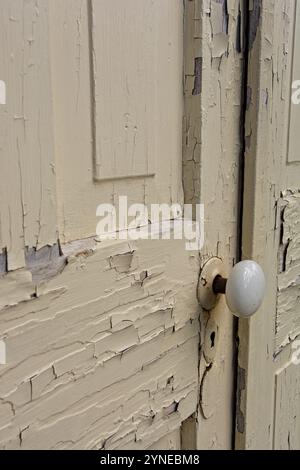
x,y
27,189
268,397
288,304
212,144
102,339
123,119
105,356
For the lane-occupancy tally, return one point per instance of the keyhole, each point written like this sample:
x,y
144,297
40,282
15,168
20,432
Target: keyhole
x,y
212,339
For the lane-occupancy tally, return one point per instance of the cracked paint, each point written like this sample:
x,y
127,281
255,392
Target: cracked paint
x,y
28,212
241,385
254,19
109,366
44,263
268,396
288,309
214,40
104,339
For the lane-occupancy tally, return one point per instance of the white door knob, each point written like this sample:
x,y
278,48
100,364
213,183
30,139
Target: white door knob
x,y
244,289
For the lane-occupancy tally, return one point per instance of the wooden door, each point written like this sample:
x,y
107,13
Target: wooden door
x,y
106,345
212,165
268,395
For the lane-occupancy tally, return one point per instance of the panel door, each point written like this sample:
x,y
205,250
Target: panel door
x,y
268,394
106,345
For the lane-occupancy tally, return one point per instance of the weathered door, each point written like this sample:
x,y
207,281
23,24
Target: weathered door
x,y
212,165
268,408
106,346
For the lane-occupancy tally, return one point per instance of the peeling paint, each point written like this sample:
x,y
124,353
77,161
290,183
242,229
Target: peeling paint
x,y
211,158
3,262
254,19
110,365
239,33
122,263
198,76
288,309
44,263
268,399
103,339
28,207
241,386
219,19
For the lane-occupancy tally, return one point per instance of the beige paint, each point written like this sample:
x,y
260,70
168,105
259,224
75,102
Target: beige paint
x,y
268,381
89,117
213,90
105,347
102,339
137,53
110,365
288,308
287,409
171,441
27,190
294,115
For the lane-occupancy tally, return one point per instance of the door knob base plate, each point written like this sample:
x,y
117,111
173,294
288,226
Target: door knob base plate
x,y
211,269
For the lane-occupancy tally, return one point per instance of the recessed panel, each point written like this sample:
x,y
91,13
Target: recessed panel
x,y
294,134
132,86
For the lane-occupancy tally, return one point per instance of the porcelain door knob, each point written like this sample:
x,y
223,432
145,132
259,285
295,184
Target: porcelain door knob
x,y
244,289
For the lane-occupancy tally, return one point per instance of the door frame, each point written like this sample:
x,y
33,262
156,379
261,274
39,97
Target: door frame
x,y
213,148
265,126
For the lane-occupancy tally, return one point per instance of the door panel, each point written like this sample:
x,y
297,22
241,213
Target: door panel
x,y
102,339
294,68
268,388
106,344
118,106
137,90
